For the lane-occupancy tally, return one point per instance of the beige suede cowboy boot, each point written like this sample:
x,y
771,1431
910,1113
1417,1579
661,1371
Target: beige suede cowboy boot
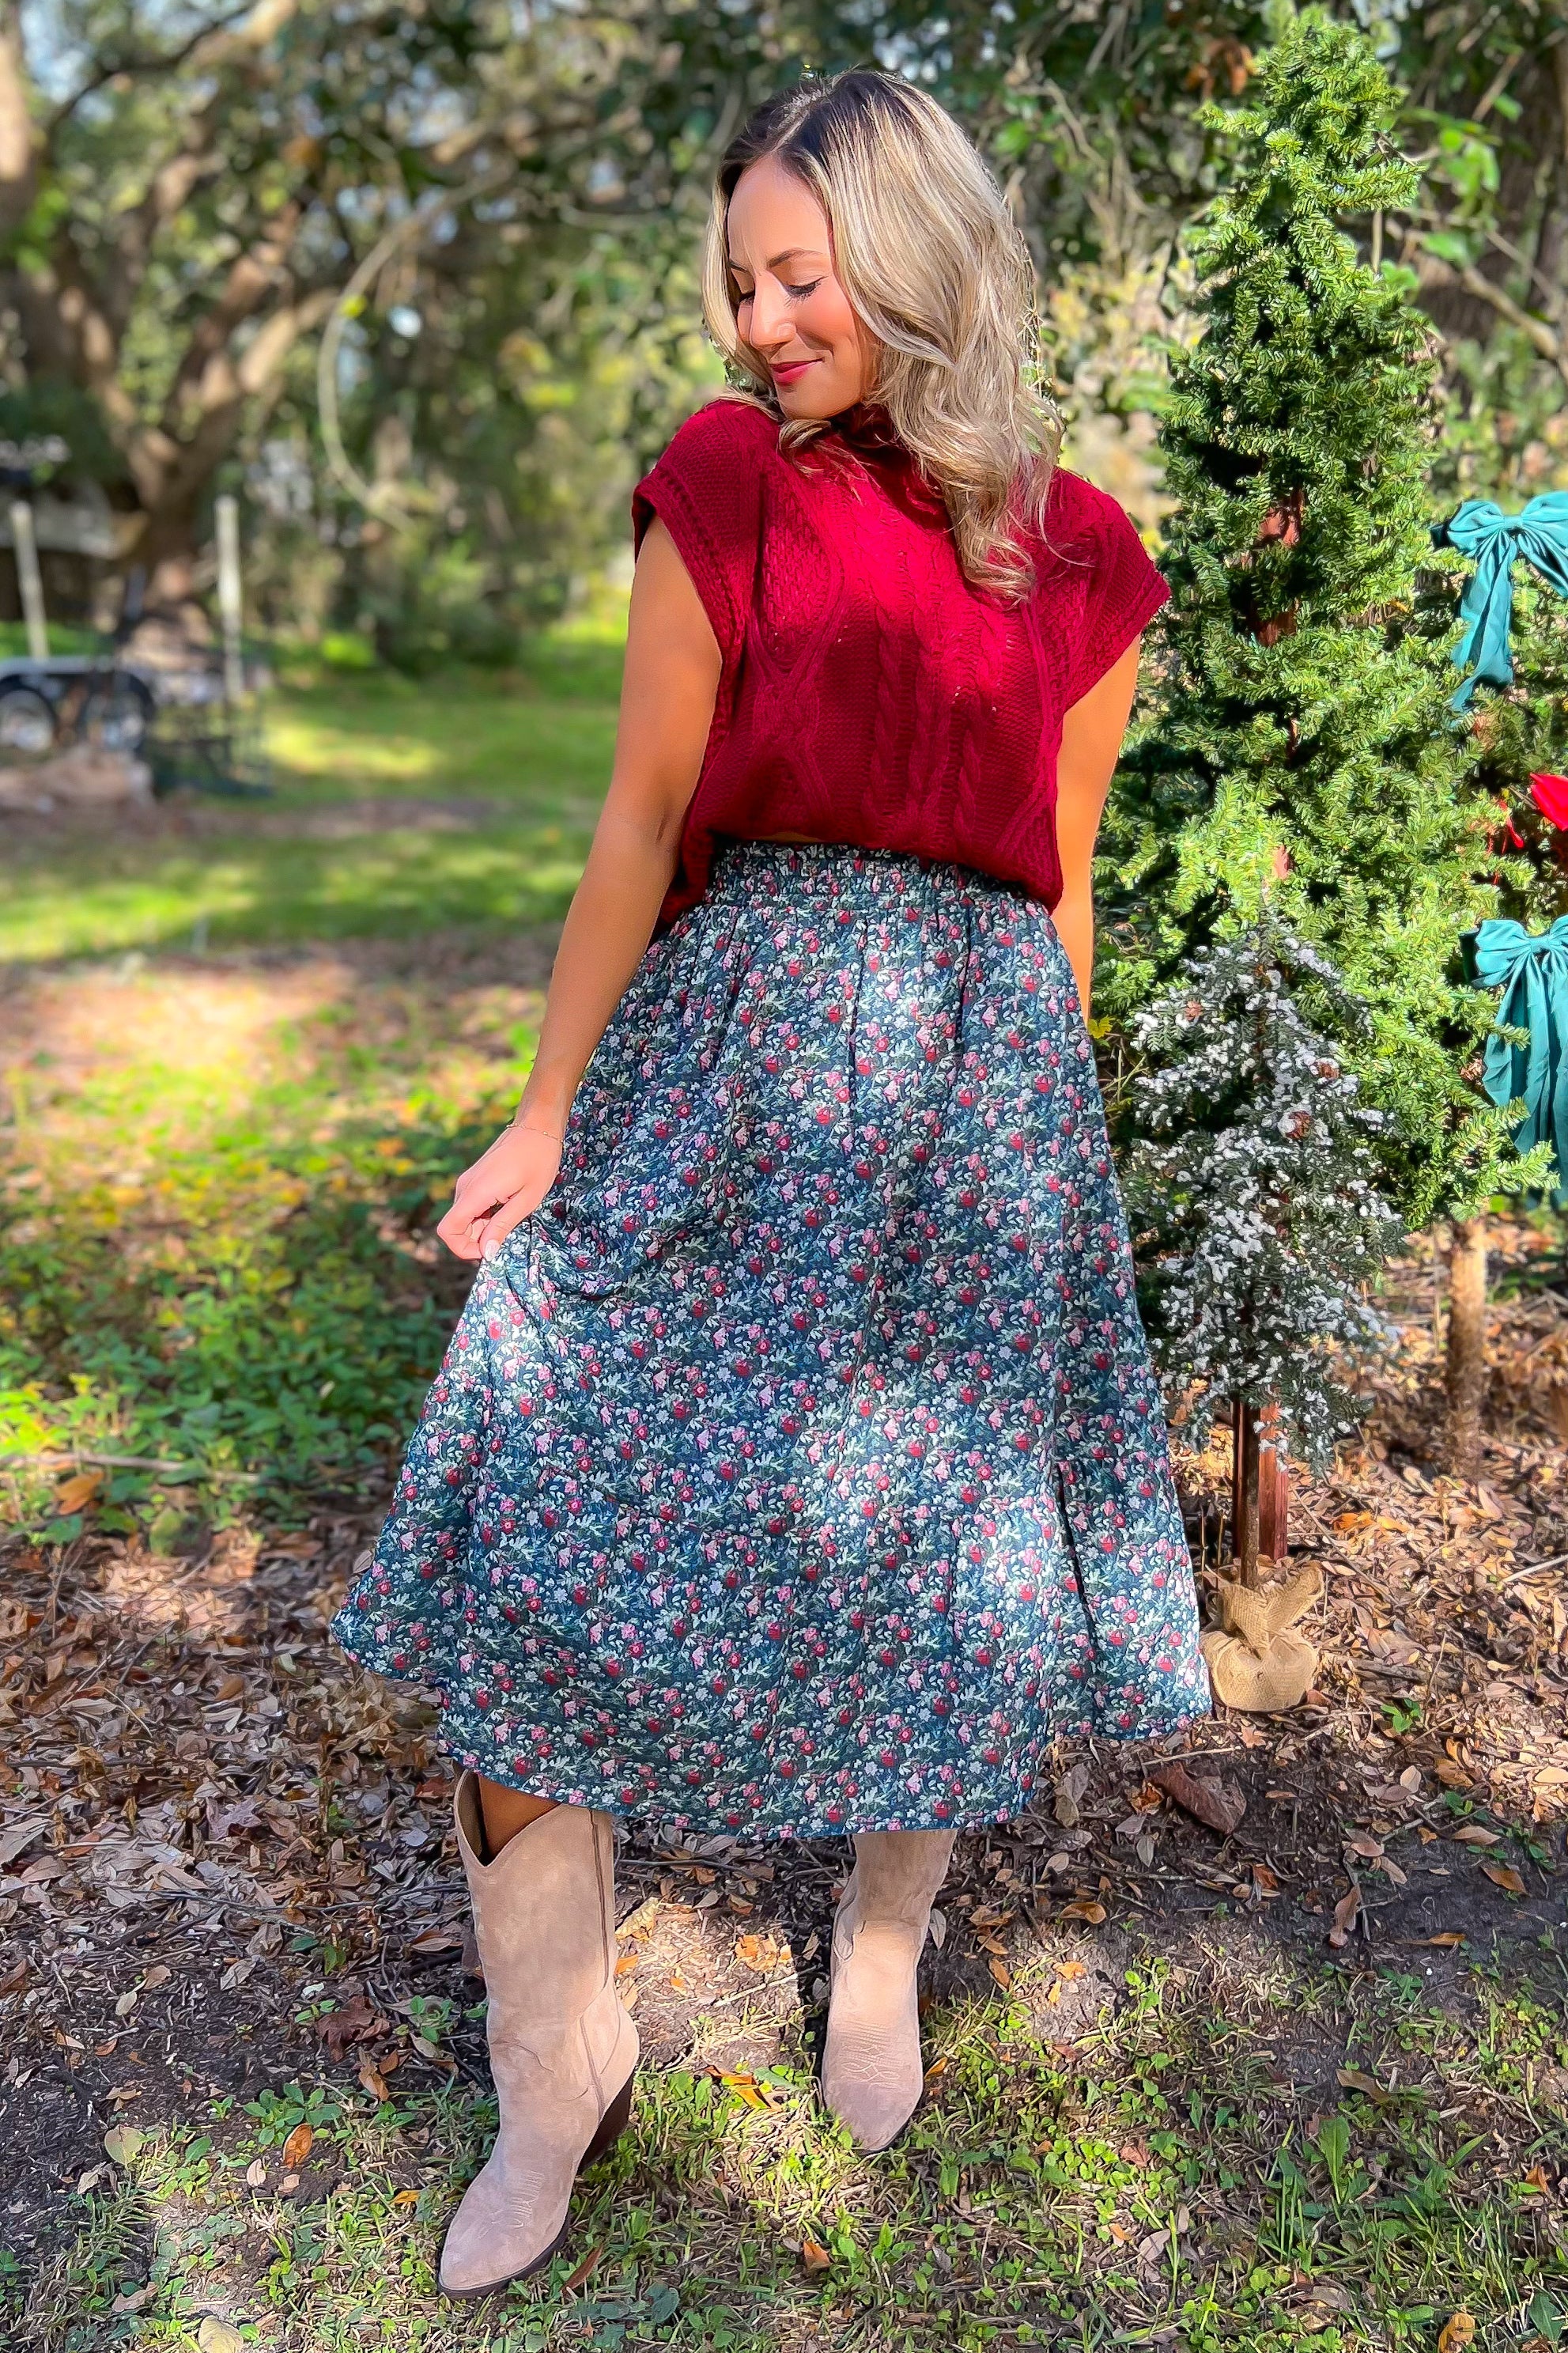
x,y
563,2050
871,2071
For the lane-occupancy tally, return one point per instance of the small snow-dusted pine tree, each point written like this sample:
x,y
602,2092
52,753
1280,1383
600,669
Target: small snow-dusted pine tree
x,y
1253,1184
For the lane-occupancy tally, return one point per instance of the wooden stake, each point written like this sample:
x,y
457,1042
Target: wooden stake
x,y
1466,1368
1261,1485
230,608
29,580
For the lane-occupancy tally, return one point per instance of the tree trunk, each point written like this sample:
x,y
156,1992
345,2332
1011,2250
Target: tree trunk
x,y
1467,1360
1260,1489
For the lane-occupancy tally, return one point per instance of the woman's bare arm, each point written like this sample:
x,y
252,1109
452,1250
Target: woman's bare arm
x,y
1091,745
667,708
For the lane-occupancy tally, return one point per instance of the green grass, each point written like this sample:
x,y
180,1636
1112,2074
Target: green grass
x,y
532,750
1157,2183
215,1244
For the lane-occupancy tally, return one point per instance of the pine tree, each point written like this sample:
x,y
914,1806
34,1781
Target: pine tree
x,y
1253,1186
1302,749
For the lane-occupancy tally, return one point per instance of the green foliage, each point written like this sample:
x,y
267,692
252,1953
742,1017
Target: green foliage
x,y
33,411
1302,751
257,1313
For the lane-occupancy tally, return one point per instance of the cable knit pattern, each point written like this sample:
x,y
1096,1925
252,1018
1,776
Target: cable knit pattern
x,y
868,694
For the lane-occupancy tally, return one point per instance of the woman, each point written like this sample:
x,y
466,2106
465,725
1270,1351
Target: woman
x,y
796,1466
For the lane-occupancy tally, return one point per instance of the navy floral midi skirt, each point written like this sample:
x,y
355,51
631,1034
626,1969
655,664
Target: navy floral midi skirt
x,y
798,1467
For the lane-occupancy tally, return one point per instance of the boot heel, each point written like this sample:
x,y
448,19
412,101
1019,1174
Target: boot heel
x,y
612,2124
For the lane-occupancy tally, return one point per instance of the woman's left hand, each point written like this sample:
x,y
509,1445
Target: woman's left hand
x,y
504,1186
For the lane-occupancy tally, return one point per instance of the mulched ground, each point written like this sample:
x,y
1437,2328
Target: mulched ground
x,y
207,1822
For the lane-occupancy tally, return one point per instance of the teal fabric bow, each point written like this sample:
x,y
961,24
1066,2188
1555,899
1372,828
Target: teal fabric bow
x,y
1494,540
1531,970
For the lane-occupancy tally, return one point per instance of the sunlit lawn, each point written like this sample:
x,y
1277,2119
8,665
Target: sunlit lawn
x,y
217,1180
502,779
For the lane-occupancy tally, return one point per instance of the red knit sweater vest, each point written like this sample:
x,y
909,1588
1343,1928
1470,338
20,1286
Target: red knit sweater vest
x,y
869,693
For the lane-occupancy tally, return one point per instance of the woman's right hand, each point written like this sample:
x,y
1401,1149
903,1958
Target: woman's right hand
x,y
504,1186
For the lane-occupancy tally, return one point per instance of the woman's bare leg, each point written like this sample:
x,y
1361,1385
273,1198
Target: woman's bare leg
x,y
507,1811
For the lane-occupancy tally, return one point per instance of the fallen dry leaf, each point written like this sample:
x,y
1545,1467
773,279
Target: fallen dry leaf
x,y
1472,1834
1071,1969
746,2087
1218,1805
14,1840
122,2142
74,1494
815,2257
255,2174
373,2081
215,2336
1354,2081
987,1915
405,2197
297,2148
436,1940
357,2021
1446,1939
588,2264
1002,1973
1456,2332
1084,1908
1345,1911
1503,1875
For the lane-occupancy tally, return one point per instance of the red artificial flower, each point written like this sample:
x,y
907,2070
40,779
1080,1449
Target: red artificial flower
x,y
1550,795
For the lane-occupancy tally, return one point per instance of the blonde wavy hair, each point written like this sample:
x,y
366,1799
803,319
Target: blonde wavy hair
x,y
936,268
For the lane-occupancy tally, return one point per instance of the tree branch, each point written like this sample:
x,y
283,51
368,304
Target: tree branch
x,y
112,68
1544,338
252,279
228,386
